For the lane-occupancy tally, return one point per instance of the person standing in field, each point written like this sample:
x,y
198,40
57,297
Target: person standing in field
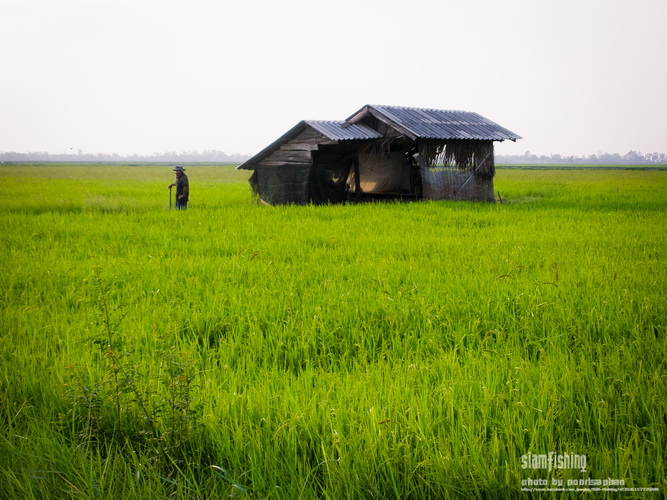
x,y
182,188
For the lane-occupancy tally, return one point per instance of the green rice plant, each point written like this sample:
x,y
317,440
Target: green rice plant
x,y
413,350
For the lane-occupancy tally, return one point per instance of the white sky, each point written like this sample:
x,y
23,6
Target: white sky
x,y
147,76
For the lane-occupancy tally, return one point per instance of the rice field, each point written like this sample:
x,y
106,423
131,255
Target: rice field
x,y
395,350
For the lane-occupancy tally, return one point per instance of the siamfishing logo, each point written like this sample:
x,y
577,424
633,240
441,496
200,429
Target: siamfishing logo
x,y
554,460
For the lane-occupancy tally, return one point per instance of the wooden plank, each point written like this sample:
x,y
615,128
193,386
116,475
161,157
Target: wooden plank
x,y
299,146
287,164
357,179
294,156
310,133
305,140
363,112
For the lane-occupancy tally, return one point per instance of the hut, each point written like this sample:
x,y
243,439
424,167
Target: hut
x,y
380,152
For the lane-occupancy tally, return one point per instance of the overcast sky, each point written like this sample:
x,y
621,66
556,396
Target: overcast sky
x,y
146,76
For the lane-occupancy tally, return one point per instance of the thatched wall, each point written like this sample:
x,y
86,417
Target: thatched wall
x,y
450,183
473,155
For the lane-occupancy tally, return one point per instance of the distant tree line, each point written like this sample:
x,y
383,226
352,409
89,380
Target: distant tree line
x,y
630,158
208,156
215,156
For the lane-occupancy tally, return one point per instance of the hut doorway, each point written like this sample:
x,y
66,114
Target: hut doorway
x,y
382,175
328,176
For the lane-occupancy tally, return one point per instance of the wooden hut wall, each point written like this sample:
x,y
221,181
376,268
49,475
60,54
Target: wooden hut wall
x,y
297,150
283,185
283,176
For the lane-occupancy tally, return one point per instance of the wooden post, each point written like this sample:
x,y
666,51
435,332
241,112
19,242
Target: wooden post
x,y
357,180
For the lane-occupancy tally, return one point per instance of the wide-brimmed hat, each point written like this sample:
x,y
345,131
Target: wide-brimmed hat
x,y
178,168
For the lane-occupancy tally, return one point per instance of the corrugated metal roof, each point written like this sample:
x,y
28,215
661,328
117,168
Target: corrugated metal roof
x,y
421,123
444,124
334,130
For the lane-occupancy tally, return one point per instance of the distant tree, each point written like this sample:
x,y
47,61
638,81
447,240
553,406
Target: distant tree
x,y
633,157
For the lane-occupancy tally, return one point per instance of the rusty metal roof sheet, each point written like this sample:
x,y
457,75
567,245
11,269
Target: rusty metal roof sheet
x,y
336,131
438,123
